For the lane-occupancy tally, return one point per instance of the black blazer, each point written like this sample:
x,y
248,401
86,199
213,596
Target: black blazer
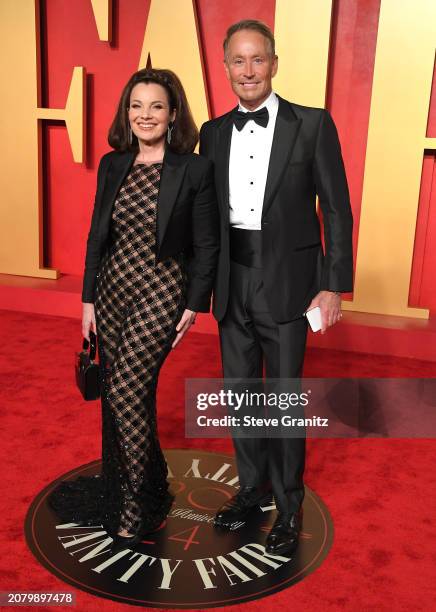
x,y
305,160
187,220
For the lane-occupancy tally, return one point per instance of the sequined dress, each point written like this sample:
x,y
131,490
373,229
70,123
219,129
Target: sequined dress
x,y
138,303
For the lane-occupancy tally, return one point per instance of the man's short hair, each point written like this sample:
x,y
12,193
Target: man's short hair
x,y
250,24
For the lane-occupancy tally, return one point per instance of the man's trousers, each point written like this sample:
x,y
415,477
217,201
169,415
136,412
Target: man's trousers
x,y
251,342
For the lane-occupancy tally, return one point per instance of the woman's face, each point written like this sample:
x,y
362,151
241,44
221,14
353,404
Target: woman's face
x,y
149,112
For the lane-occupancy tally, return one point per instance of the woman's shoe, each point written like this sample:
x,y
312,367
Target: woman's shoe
x,y
122,542
90,523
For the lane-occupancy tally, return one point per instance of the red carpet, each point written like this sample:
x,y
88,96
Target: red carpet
x,y
380,492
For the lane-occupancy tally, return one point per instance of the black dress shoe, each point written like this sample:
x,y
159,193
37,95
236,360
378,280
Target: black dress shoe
x,y
283,537
240,505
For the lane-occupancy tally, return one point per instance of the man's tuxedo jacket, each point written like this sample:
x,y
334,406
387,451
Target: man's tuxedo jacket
x,y
187,220
305,160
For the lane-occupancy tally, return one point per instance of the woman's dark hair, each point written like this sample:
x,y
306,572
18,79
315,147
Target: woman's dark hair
x,y
184,135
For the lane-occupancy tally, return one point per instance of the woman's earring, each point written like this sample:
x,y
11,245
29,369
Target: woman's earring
x,y
169,132
130,135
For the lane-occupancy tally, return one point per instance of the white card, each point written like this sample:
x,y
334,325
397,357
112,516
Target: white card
x,y
314,317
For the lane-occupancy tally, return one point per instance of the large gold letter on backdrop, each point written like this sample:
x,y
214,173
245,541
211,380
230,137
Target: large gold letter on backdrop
x,y
172,41
401,90
21,207
102,10
302,33
396,136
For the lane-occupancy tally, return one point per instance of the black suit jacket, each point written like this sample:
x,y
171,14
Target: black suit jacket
x,y
187,219
305,160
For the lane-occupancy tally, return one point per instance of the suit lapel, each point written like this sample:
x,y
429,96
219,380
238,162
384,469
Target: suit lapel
x,y
173,171
222,158
285,134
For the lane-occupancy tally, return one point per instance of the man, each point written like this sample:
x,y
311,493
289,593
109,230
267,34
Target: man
x,y
272,157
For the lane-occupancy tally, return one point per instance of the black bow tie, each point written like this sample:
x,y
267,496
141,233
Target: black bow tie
x,y
260,116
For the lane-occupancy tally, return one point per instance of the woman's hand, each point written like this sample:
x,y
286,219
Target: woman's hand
x,y
188,319
88,319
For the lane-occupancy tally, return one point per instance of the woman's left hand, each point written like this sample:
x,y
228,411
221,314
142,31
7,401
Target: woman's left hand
x,y
188,319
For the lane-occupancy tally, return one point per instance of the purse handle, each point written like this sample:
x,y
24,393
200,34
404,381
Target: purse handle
x,y
93,343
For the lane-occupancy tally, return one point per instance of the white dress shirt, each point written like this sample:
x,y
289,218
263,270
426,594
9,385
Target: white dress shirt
x,y
248,167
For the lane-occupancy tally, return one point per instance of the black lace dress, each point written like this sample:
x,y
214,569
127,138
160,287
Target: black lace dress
x,y
137,305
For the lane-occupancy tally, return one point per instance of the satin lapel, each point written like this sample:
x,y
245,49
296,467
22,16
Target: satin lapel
x,y
285,134
173,171
117,172
222,157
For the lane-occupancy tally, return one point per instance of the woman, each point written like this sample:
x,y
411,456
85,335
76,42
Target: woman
x,y
150,266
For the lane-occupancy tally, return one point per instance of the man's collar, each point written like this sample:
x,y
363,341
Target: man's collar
x,y
271,104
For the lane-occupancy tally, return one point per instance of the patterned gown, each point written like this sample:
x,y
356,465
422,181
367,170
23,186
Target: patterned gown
x,y
137,306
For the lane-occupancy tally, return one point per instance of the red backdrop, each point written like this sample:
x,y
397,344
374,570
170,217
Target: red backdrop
x,y
69,38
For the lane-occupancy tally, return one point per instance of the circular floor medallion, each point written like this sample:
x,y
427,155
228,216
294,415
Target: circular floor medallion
x,y
187,563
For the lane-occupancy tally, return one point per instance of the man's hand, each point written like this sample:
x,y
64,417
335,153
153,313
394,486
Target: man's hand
x,y
188,319
330,306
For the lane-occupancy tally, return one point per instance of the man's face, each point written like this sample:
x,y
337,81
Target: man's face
x,y
250,67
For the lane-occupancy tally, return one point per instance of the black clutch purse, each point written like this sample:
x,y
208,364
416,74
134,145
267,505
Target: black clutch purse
x,y
87,371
